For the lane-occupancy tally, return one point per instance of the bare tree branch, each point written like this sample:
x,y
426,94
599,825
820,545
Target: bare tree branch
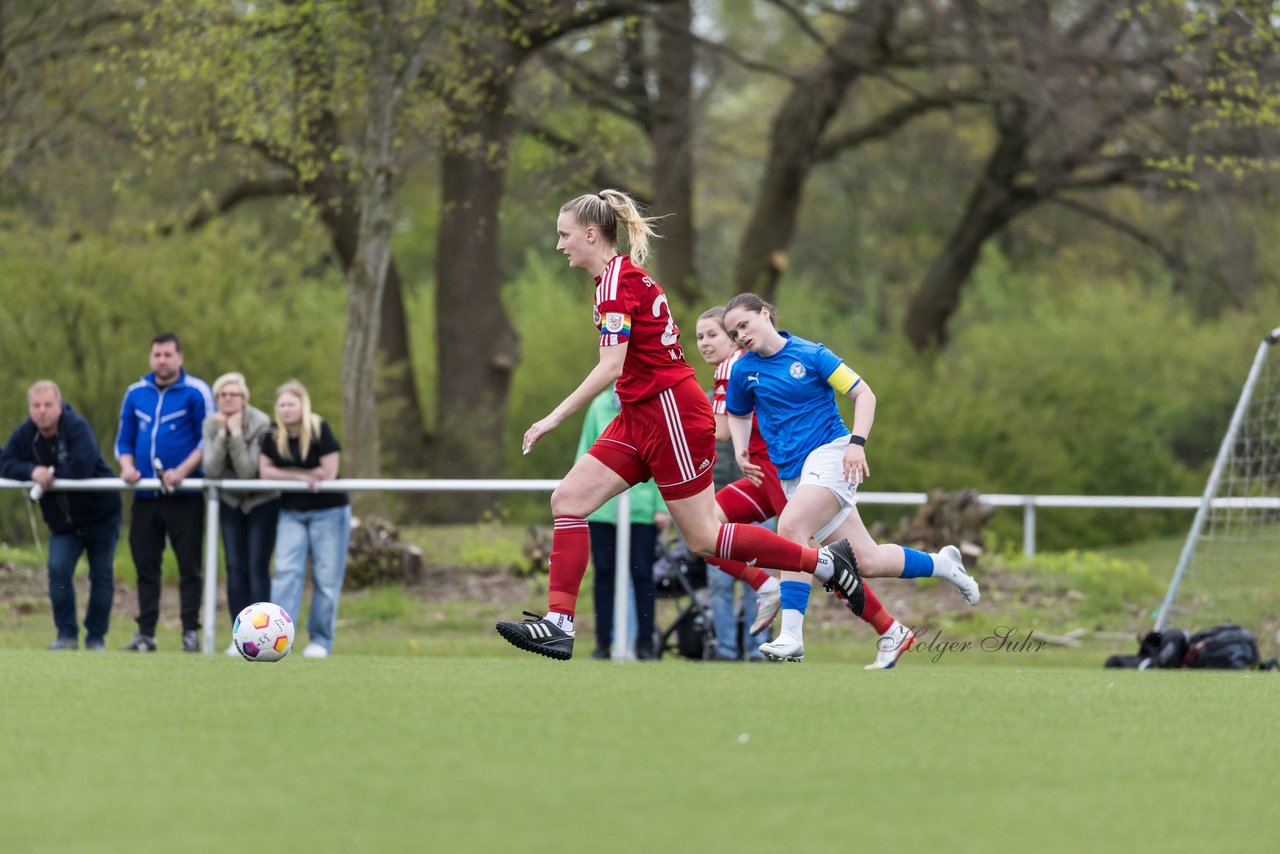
x,y
565,145
594,88
892,121
245,191
1172,259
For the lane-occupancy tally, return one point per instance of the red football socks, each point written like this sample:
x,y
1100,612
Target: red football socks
x,y
570,551
753,575
874,612
754,545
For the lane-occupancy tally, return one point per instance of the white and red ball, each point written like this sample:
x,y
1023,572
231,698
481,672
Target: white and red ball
x,y
263,632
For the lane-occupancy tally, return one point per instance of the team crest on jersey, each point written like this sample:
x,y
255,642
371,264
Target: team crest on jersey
x,y
595,317
797,370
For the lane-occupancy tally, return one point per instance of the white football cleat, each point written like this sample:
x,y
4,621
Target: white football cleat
x,y
231,650
768,604
959,576
783,648
892,644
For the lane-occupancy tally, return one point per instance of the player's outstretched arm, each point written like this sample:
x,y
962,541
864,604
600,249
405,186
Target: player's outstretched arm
x,y
603,375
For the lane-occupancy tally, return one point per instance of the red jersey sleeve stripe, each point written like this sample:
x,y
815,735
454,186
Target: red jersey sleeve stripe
x,y
609,282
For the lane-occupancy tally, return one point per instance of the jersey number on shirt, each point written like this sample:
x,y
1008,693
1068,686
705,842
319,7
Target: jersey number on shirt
x,y
669,335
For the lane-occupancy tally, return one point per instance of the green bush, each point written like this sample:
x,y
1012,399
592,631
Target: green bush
x,y
1103,585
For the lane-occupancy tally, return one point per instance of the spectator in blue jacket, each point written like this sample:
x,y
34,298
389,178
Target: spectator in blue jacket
x,y
161,420
56,442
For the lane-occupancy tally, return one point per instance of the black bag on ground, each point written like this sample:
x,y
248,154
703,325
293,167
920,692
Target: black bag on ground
x,y
1224,647
1156,649
1173,648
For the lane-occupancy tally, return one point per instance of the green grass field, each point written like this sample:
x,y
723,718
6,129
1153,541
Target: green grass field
x,y
366,753
428,732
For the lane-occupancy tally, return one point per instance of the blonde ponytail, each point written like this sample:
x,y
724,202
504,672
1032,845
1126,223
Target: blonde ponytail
x,y
607,210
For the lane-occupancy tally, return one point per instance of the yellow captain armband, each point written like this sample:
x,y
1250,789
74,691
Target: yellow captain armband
x,y
842,379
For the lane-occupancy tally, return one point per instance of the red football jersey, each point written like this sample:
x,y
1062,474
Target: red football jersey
x,y
632,309
757,449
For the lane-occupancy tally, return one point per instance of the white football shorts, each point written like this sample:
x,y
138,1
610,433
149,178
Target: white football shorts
x,y
825,467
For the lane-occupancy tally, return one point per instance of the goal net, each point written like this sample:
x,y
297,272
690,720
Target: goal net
x,y
1229,568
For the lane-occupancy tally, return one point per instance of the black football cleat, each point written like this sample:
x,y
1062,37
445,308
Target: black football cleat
x,y
845,579
539,636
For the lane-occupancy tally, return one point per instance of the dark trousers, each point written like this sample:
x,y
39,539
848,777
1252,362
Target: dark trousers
x,y
98,541
181,518
248,539
604,549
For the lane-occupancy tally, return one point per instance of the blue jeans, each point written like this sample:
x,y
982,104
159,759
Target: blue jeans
x,y
730,643
99,542
322,537
248,539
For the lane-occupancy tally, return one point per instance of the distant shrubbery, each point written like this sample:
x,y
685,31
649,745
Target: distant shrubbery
x,y
1100,586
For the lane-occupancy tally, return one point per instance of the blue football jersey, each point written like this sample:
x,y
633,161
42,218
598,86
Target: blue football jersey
x,y
793,395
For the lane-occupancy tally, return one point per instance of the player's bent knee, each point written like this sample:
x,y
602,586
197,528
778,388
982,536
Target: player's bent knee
x,y
701,545
564,502
795,533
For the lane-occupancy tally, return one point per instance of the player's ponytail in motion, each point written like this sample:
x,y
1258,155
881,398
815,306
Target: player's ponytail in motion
x,y
607,210
751,302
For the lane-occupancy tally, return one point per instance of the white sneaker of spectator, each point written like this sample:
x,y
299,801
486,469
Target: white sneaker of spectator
x,y
315,650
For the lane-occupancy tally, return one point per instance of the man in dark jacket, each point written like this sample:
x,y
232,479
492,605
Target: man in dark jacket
x,y
56,441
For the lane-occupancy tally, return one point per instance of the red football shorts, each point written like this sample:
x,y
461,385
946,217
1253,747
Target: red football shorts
x,y
670,437
743,501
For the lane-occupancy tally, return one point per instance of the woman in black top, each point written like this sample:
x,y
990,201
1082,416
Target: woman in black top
x,y
313,525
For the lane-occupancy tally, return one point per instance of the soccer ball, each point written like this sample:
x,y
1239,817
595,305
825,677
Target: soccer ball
x,y
263,632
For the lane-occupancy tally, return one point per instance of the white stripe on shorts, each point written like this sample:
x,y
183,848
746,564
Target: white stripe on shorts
x,y
679,443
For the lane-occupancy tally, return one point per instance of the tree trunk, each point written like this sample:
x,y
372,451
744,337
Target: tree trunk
x,y
477,345
389,377
672,135
402,423
368,272
992,204
794,138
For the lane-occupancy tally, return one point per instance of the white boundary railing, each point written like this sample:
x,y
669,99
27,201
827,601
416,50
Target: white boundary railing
x,y
210,488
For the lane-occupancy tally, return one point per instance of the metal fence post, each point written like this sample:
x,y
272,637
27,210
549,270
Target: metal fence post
x,y
210,617
622,581
1029,525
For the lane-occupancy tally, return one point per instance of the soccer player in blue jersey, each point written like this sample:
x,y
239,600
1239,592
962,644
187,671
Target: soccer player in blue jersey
x,y
790,384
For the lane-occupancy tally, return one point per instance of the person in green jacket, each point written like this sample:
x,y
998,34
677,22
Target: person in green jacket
x,y
648,517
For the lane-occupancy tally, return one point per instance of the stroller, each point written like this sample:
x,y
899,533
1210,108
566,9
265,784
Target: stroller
x,y
680,575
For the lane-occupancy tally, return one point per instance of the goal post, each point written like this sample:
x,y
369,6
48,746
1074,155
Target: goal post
x,y
1231,555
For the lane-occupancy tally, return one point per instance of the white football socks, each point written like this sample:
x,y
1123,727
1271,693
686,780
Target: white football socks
x,y
563,622
826,566
792,624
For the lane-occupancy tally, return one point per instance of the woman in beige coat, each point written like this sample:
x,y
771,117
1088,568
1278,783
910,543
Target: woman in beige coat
x,y
232,441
